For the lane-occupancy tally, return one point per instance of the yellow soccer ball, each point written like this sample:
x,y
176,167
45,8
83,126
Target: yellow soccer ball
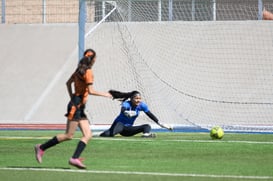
x,y
216,132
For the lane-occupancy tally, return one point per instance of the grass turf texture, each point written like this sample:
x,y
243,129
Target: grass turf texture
x,y
170,156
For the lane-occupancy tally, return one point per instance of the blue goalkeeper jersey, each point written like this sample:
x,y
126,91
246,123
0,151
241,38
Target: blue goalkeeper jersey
x,y
129,121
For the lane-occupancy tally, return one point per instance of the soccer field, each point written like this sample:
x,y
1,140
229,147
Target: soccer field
x,y
169,156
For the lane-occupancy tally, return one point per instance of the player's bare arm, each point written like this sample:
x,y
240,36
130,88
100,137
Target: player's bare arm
x,y
69,86
92,91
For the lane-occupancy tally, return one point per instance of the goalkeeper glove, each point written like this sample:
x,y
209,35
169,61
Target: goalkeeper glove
x,y
169,127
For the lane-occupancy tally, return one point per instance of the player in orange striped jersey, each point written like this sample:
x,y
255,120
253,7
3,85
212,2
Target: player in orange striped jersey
x,y
83,80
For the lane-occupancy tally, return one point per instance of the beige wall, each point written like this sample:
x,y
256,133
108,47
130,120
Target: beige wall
x,y
31,11
197,73
55,11
66,11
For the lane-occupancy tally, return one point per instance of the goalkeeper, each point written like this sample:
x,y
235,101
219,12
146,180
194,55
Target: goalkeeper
x,y
130,108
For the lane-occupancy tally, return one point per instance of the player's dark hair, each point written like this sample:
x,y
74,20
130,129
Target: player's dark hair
x,y
86,62
123,96
89,50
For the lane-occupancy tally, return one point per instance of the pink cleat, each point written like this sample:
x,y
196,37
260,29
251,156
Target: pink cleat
x,y
77,163
38,153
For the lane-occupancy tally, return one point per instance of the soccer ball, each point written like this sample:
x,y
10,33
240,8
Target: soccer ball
x,y
216,132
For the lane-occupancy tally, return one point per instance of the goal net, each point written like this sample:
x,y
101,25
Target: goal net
x,y
197,63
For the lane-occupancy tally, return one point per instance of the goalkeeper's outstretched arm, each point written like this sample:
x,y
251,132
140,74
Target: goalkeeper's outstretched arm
x,y
154,118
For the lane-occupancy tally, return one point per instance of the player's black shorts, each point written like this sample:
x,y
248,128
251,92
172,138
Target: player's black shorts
x,y
75,110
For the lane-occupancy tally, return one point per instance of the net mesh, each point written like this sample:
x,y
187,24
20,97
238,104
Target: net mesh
x,y
191,71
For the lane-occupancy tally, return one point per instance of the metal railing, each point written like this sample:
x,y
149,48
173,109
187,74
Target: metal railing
x,y
67,11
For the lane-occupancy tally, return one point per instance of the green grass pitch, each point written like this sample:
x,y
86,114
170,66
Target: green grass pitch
x,y
169,156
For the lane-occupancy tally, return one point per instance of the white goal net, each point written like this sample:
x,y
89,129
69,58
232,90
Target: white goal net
x,y
197,63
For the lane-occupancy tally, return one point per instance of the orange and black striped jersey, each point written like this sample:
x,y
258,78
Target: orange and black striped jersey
x,y
81,84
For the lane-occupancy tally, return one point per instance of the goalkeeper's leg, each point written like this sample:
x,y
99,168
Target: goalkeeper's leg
x,y
133,130
116,128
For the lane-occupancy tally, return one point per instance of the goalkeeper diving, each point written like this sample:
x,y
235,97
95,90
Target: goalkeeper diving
x,y
131,106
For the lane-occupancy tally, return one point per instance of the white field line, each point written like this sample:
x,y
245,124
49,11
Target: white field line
x,y
222,141
137,140
141,173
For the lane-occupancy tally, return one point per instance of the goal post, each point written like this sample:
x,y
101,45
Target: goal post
x,y
81,29
202,68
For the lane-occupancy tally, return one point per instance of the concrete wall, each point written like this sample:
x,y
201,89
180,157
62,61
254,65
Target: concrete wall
x,y
190,73
34,61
